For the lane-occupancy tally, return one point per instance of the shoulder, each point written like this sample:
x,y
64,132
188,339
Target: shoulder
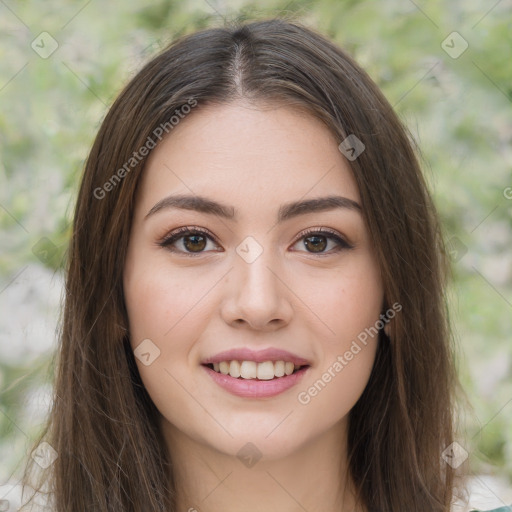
x,y
501,509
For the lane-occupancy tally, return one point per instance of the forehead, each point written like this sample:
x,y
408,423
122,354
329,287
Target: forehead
x,y
250,153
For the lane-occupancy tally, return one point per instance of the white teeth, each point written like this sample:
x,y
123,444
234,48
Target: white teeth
x,y
252,370
279,368
248,370
265,370
234,369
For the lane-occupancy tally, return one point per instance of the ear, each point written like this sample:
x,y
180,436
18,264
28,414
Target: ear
x,y
387,321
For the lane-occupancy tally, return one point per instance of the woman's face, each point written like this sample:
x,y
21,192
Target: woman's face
x,y
272,278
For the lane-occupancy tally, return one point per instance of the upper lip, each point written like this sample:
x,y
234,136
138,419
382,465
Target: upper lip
x,y
260,356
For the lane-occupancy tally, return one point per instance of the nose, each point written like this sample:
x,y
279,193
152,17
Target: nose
x,y
257,295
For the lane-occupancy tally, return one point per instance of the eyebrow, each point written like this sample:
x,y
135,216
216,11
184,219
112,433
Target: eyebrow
x,y
286,211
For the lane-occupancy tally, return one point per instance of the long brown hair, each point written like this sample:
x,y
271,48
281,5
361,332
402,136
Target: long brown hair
x,y
103,426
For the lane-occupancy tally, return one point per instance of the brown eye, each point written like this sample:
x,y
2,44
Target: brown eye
x,y
316,243
187,241
194,243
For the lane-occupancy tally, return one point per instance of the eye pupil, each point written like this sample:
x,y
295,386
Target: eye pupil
x,y
319,243
195,247
195,242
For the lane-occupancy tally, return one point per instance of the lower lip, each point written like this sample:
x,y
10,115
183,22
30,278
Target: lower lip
x,y
253,388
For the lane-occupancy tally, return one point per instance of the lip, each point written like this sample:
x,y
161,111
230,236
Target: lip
x,y
254,388
259,356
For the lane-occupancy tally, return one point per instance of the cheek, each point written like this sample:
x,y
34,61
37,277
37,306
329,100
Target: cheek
x,y
351,310
164,324
348,302
168,310
337,387
161,301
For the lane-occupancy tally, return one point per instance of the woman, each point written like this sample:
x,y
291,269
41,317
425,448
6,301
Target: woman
x,y
255,315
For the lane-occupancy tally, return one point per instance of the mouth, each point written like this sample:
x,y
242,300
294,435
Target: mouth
x,y
260,371
256,380
256,374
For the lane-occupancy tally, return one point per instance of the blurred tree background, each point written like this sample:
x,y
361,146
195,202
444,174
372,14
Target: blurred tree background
x,y
446,68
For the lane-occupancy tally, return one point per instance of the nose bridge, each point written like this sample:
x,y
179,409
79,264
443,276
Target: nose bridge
x,y
258,295
256,281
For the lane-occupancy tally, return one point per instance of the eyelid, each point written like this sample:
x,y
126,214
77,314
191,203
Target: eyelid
x,y
178,233
343,243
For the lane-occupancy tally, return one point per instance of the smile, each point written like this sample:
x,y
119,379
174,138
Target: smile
x,y
266,370
270,385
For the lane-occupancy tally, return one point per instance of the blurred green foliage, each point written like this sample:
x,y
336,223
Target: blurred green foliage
x,y
457,109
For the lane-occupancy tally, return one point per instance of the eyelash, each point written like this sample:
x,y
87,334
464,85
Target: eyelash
x,y
172,237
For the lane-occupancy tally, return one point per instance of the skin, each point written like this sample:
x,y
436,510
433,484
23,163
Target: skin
x,y
311,304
